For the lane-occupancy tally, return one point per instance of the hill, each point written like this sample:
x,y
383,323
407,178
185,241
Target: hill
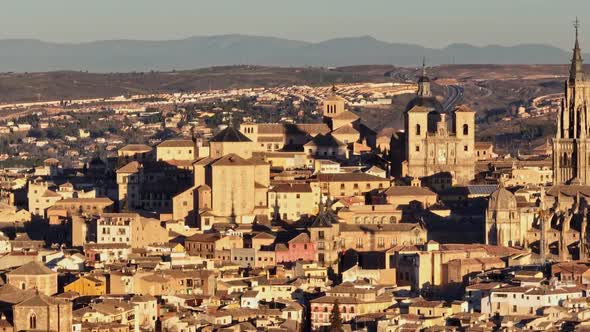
x,y
28,55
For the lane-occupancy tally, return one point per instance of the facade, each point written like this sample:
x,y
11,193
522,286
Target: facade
x,y
176,149
526,300
504,225
350,184
293,200
34,275
436,144
43,313
87,286
571,146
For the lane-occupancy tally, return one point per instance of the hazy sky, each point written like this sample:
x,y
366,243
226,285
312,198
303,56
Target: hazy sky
x,y
432,23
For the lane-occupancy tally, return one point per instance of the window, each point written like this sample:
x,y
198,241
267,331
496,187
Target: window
x,y
465,148
465,129
32,322
417,148
417,129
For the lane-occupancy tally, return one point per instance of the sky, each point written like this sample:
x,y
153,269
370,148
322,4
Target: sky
x,y
430,23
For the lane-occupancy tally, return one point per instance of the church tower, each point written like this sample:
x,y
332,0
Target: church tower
x,y
571,146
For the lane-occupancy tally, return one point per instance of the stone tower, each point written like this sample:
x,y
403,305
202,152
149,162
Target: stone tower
x,y
571,146
438,141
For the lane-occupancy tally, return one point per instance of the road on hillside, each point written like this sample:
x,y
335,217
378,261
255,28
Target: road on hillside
x,y
454,96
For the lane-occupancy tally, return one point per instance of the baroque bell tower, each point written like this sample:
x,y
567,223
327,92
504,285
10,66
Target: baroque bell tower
x,y
571,146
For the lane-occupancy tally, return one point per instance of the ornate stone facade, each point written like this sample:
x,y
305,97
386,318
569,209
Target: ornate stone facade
x,y
434,144
571,146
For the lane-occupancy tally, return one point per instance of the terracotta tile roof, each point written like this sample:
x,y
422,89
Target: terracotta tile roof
x,y
230,134
349,177
231,160
32,268
136,148
344,130
132,167
292,188
203,238
346,115
325,140
177,143
408,191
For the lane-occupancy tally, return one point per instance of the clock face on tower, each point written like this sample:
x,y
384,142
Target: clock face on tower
x,y
442,156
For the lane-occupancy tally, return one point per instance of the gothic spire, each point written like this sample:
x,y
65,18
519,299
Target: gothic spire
x,y
577,70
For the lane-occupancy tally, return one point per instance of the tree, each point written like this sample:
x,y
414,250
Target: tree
x,y
335,319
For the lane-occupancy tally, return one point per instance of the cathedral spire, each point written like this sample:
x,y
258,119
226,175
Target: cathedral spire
x,y
577,70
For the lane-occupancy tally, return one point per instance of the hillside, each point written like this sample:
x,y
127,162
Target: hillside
x,y
27,55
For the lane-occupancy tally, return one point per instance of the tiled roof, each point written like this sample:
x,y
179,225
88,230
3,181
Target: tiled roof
x,y
32,268
177,143
136,147
230,134
348,177
408,191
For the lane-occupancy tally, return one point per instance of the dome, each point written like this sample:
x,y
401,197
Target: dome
x,y
502,199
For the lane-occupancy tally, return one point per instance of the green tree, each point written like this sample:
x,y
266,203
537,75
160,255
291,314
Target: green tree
x,y
336,319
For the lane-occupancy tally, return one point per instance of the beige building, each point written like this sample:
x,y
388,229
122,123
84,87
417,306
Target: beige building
x,y
350,184
135,152
290,201
529,175
43,313
370,214
484,151
34,275
438,141
176,149
130,228
227,187
42,195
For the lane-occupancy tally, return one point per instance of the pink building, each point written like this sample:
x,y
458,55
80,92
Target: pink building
x,y
298,248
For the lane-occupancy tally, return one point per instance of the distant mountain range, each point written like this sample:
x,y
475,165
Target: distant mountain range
x,y
28,55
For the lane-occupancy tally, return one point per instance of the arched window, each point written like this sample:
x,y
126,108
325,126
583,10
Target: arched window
x,y
344,309
32,322
465,129
417,129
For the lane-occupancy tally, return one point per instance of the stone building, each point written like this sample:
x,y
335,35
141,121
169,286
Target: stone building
x,y
554,227
176,149
571,146
230,186
34,275
436,140
43,313
503,222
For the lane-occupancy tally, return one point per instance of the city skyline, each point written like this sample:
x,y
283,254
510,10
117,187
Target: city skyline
x,y
430,23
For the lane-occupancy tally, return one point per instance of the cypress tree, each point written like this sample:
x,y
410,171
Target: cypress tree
x,y
335,319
